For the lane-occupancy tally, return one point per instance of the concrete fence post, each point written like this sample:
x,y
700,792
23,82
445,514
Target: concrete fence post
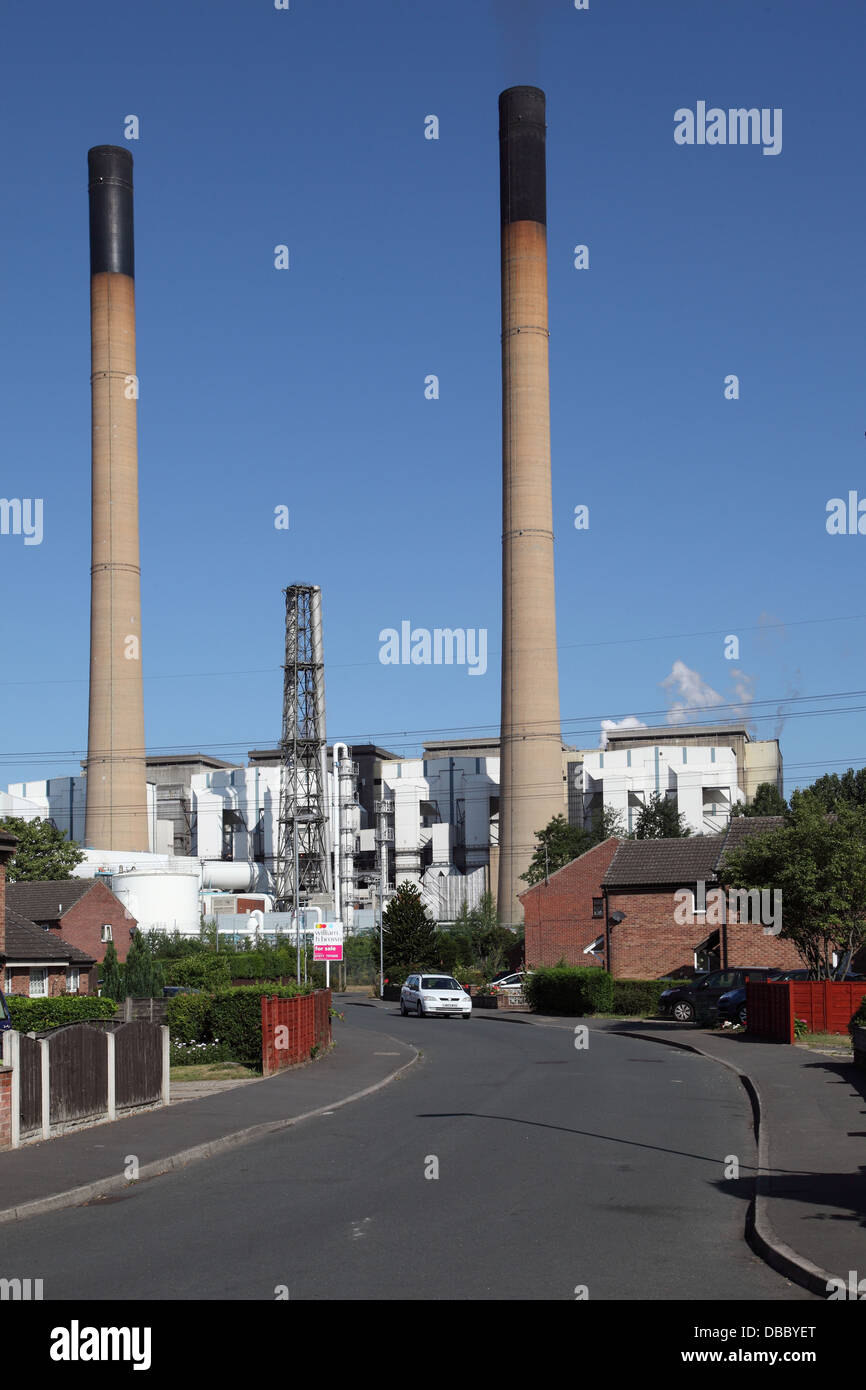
x,y
12,1058
46,1087
112,1076
166,1064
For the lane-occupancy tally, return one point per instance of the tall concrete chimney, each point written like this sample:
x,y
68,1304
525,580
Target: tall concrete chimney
x,y
530,779
116,816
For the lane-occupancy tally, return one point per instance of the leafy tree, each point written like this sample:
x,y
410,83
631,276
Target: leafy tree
x,y
43,851
112,986
831,790
767,801
659,819
818,862
559,842
488,940
605,824
408,933
142,975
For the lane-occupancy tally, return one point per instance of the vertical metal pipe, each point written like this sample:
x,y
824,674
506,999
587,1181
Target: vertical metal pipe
x,y
116,811
531,789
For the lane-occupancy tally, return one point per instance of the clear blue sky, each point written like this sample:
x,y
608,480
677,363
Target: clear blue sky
x,y
306,387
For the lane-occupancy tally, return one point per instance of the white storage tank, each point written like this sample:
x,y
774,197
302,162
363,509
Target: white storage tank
x,y
162,899
228,875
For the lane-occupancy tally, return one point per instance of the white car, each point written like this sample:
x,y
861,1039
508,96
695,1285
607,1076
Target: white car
x,y
514,981
426,995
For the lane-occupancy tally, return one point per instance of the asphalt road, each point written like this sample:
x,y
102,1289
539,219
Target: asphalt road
x,y
558,1169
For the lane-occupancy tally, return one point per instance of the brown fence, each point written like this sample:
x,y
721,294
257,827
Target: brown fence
x,y
137,1064
77,1072
94,1069
131,1010
30,1095
291,1028
825,1006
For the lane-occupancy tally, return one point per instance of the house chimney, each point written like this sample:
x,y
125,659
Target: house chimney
x,y
530,779
116,814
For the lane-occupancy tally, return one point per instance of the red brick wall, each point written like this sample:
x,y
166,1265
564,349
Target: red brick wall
x,y
651,943
5,1107
82,925
558,914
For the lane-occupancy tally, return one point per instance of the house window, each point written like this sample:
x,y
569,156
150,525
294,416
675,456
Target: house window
x,y
598,907
72,979
38,984
106,933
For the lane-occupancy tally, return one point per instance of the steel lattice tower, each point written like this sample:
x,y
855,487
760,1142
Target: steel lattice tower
x,y
303,750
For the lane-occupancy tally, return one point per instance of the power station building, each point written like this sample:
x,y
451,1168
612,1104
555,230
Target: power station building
x,y
432,821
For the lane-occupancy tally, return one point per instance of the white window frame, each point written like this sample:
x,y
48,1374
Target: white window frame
x,y
35,972
107,933
73,979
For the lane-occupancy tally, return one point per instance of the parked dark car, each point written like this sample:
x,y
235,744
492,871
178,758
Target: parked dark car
x,y
5,1017
682,1002
732,1006
850,978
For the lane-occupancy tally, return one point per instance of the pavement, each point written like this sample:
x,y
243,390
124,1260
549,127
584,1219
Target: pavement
x,y
808,1212
88,1165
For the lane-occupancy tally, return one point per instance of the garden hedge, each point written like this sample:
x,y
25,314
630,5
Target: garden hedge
x,y
36,1015
569,990
638,996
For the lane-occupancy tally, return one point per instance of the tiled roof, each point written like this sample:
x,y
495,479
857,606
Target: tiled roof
x,y
675,862
741,827
26,941
47,902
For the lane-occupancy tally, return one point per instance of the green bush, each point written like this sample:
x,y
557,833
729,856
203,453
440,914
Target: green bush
x,y
638,996
35,1015
858,1020
188,1018
263,964
202,971
569,990
232,1017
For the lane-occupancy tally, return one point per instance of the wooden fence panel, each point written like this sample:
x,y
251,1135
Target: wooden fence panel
x,y
78,1079
138,1064
31,1084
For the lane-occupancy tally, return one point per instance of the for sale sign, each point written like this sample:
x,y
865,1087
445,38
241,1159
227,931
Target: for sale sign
x,y
328,941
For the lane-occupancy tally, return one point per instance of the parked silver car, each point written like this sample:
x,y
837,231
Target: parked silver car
x,y
426,995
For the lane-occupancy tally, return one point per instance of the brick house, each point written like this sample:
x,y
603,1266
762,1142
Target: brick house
x,y
564,914
33,961
81,911
39,964
661,933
